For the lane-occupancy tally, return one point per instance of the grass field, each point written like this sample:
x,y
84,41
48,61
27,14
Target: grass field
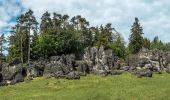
x,y
123,87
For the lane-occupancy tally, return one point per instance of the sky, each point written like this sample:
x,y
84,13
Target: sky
x,y
153,15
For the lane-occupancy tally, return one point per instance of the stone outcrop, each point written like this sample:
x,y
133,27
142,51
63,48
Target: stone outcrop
x,y
148,61
73,75
143,73
13,74
35,69
93,60
99,60
61,66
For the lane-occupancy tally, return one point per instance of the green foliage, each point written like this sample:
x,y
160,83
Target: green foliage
x,y
2,47
136,39
20,39
103,35
146,43
167,46
118,47
59,34
158,44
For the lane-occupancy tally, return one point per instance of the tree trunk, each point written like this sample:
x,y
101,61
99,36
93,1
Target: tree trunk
x,y
21,52
29,47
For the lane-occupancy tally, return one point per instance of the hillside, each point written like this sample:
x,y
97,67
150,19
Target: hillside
x,y
92,87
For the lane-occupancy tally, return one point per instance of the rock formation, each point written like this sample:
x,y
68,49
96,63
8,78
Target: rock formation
x,y
13,74
61,66
148,61
99,60
94,61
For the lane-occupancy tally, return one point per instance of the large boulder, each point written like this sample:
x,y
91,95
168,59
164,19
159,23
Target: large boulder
x,y
58,74
143,61
73,75
35,69
13,74
154,60
125,68
99,59
143,73
132,61
19,78
60,66
116,72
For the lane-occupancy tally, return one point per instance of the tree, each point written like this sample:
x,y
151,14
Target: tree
x,y
20,39
2,41
2,46
136,39
146,43
30,24
118,47
104,35
46,44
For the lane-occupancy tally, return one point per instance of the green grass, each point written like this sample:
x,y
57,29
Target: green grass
x,y
123,87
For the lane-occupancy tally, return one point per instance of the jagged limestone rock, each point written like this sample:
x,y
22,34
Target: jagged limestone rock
x,y
60,66
100,60
73,75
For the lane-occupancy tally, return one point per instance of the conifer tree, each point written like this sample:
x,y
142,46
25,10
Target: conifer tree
x,y
136,39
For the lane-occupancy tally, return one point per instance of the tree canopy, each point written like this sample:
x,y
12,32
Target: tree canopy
x,y
58,34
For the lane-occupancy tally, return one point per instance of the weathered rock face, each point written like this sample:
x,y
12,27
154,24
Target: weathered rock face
x,y
13,74
132,62
148,61
99,60
36,69
60,66
158,60
73,75
143,73
83,67
19,77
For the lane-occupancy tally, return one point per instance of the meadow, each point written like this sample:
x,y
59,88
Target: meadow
x,y
91,87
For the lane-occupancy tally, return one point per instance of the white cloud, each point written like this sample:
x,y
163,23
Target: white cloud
x,y
153,14
8,9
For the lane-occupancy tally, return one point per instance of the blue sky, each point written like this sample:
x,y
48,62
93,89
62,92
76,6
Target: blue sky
x,y
154,15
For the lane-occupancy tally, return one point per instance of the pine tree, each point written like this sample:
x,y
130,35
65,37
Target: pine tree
x,y
2,46
136,39
20,39
30,24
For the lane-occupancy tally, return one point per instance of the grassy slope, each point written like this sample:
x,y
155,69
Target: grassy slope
x,y
92,87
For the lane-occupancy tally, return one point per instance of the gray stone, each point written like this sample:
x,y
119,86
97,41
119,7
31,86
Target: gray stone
x,y
144,73
19,78
99,59
60,66
73,75
116,72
